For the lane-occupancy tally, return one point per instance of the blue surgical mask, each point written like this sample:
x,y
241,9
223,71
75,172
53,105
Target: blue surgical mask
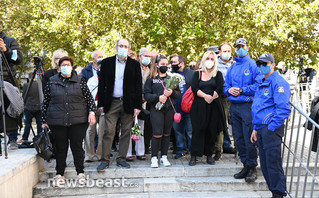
x,y
146,60
122,52
241,52
265,69
98,61
226,56
66,70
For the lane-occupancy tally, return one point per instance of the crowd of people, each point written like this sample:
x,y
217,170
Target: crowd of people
x,y
99,106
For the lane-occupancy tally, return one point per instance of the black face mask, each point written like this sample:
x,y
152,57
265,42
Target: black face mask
x,y
163,69
175,68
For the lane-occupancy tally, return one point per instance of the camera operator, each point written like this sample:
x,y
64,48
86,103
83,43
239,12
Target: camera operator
x,y
11,56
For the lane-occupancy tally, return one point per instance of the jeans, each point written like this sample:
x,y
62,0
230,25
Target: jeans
x,y
13,135
28,115
227,143
179,129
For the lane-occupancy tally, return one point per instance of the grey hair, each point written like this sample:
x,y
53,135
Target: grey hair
x,y
144,49
56,54
94,54
129,43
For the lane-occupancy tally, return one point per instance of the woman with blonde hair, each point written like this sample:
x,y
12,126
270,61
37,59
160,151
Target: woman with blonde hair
x,y
207,115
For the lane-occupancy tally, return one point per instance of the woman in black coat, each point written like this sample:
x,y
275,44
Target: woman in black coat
x,y
207,115
68,107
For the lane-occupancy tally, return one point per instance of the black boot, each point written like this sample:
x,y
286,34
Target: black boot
x,y
193,161
217,156
210,160
276,195
243,173
251,175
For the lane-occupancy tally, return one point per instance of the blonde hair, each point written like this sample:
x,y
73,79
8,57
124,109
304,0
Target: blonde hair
x,y
214,69
56,54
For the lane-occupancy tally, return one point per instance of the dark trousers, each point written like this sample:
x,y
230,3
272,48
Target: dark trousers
x,y
269,145
62,135
28,115
241,121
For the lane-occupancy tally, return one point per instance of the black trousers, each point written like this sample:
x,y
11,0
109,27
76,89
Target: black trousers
x,y
62,136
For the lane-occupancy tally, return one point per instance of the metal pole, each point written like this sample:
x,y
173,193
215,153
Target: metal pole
x,y
3,110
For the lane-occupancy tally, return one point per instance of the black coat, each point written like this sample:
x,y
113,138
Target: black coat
x,y
314,115
132,85
11,44
47,75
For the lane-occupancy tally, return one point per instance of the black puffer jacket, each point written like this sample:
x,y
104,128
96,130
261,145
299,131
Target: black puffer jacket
x,y
11,45
68,105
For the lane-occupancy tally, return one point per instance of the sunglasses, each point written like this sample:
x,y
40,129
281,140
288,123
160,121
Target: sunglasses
x,y
261,63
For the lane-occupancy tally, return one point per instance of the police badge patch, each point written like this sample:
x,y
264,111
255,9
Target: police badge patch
x,y
266,92
281,89
247,72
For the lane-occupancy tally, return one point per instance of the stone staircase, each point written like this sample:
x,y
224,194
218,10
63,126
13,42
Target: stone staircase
x,y
179,180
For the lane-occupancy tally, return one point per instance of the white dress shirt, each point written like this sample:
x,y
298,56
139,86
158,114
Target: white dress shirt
x,y
119,77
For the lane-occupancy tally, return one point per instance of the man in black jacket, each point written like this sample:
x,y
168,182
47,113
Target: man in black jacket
x,y
182,143
11,53
119,96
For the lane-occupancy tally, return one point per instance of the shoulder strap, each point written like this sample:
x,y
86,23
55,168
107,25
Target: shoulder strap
x,y
199,75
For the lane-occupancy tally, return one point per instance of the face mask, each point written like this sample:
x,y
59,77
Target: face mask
x,y
66,70
265,69
122,52
146,60
209,64
226,56
163,69
98,61
175,68
241,52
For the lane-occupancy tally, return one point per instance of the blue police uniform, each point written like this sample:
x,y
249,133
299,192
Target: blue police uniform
x,y
243,74
269,110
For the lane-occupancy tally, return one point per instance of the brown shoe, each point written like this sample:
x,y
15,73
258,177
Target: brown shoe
x,y
21,141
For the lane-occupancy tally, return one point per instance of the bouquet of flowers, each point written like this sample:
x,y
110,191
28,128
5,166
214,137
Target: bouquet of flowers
x,y
172,81
136,131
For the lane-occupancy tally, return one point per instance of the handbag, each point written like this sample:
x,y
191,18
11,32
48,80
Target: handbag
x,y
188,98
43,145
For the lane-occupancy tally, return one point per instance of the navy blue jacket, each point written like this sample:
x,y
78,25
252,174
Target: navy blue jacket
x,y
242,74
271,103
87,72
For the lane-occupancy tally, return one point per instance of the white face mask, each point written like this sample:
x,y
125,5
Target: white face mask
x,y
209,64
66,70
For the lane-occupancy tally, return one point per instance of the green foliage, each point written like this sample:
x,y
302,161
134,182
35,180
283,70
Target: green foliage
x,y
285,28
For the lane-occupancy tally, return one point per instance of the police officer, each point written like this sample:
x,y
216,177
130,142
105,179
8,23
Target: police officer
x,y
240,86
269,110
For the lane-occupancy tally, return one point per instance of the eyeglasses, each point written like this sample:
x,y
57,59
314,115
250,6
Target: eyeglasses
x,y
192,65
123,46
261,63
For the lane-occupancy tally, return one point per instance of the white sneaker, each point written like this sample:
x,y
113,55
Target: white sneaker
x,y
13,145
82,179
58,181
164,161
154,163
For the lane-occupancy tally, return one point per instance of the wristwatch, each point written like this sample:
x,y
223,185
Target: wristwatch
x,y
92,113
240,90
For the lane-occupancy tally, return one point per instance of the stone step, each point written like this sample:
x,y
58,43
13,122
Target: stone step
x,y
144,171
149,185
242,194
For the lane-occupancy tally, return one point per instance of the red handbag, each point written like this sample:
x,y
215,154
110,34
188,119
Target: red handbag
x,y
188,98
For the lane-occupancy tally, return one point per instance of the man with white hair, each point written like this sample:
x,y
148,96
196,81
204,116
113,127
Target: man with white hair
x,y
145,61
288,74
90,75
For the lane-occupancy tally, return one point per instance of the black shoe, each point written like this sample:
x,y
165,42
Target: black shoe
x,y
123,164
179,155
147,151
103,166
210,160
142,157
276,195
130,159
251,175
193,161
243,173
175,151
217,156
230,150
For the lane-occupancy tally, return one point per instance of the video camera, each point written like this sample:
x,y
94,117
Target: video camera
x,y
38,62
